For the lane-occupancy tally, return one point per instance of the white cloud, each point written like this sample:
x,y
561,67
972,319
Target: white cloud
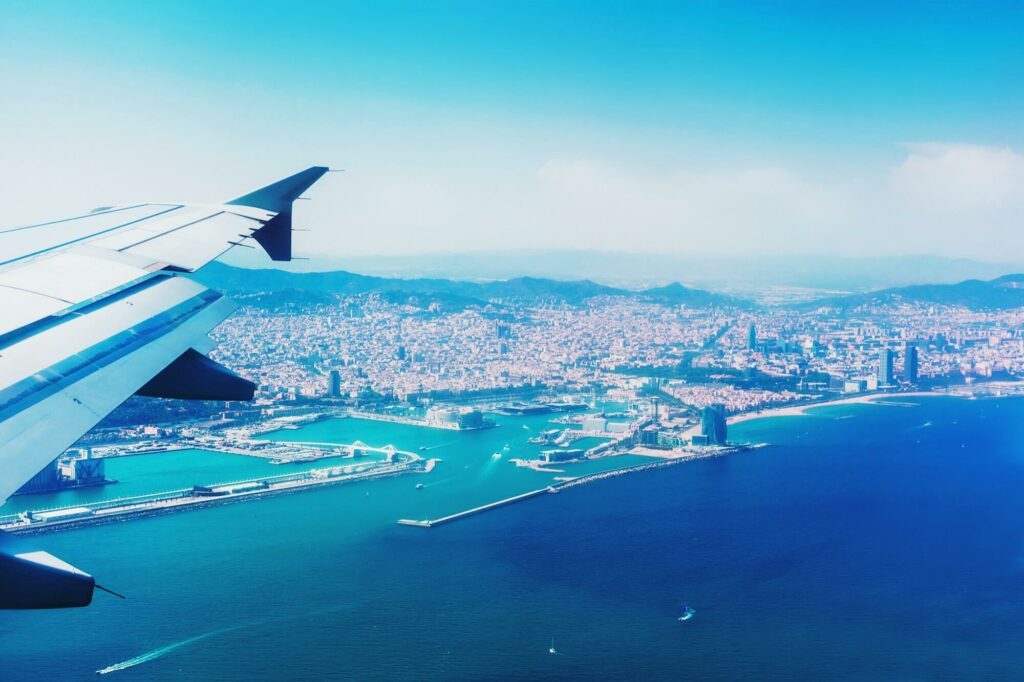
x,y
960,177
742,211
948,199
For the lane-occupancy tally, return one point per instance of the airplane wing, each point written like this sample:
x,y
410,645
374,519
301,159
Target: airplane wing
x,y
93,310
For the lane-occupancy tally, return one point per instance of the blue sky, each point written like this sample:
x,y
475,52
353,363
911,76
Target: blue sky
x,y
705,127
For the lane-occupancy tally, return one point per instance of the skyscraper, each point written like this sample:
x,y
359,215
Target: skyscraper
x,y
334,388
910,362
751,337
712,424
885,376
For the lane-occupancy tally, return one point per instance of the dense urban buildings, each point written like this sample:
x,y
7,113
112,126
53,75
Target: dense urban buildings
x,y
369,348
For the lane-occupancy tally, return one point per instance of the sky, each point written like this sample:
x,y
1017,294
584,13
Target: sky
x,y
748,128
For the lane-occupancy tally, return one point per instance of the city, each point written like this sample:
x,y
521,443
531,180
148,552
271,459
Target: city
x,y
518,341
677,373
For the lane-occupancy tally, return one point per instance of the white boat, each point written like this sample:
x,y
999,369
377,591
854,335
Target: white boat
x,y
552,649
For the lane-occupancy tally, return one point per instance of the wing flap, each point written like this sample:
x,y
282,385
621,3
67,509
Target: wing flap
x,y
71,277
191,247
19,243
24,307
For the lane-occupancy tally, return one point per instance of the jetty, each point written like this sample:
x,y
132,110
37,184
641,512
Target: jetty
x,y
566,482
430,523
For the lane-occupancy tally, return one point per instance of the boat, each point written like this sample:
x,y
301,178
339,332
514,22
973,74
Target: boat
x,y
419,486
423,447
552,649
687,614
496,455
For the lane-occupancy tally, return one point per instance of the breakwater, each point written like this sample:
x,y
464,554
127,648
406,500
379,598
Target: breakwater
x,y
199,497
578,481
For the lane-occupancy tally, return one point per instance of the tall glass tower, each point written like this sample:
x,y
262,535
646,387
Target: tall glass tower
x,y
885,375
712,424
910,363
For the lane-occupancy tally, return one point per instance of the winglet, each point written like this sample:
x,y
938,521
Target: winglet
x,y
276,236
278,196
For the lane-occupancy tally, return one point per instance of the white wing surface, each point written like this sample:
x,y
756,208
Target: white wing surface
x,y
93,310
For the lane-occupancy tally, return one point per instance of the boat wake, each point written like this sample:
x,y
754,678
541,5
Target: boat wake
x,y
162,651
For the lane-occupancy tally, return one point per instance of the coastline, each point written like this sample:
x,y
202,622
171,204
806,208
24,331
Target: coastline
x,y
966,391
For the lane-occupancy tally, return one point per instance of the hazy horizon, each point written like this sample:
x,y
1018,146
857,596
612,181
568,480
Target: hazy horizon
x,y
739,274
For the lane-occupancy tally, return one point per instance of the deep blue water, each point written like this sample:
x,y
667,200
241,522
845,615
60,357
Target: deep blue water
x,y
868,542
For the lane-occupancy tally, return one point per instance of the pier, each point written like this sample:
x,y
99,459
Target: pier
x,y
566,482
430,523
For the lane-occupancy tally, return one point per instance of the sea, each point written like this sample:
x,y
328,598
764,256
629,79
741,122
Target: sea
x,y
865,542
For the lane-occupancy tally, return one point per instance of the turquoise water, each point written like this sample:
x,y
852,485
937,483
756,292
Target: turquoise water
x,y
869,542
468,473
161,472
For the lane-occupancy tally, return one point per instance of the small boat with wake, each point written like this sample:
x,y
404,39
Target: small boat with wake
x,y
688,613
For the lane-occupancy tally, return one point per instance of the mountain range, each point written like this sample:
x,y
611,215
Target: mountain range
x,y
343,283
1001,293
996,294
736,273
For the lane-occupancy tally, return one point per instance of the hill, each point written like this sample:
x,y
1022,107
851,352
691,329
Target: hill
x,y
526,289
1001,293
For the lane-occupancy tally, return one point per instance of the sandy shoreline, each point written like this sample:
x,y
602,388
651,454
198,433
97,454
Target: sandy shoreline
x,y
892,398
798,410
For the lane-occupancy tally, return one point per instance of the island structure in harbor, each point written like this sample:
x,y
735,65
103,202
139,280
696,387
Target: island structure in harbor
x,y
450,418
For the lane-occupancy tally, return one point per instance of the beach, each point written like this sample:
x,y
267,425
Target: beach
x,y
995,388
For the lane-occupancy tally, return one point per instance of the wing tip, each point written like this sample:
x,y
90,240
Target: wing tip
x,y
278,196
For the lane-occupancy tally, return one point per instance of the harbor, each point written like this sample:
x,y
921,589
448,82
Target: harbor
x,y
491,468
200,496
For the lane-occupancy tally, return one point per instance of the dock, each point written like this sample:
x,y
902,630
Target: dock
x,y
430,523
